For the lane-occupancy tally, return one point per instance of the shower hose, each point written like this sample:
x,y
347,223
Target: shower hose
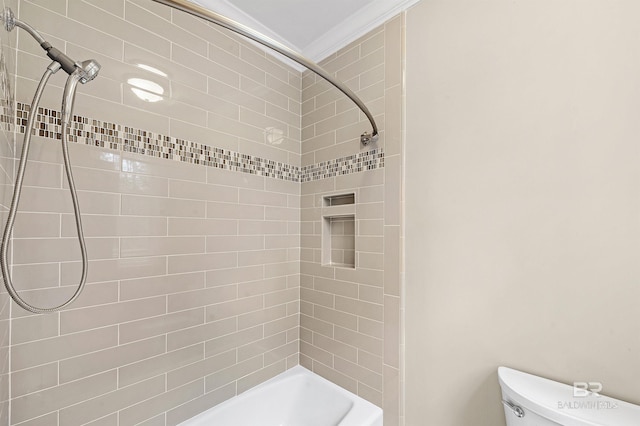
x,y
8,230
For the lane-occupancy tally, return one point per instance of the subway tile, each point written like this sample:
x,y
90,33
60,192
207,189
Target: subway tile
x,y
317,354
358,307
336,377
33,327
156,8
192,226
82,319
233,308
50,419
146,328
201,191
343,319
249,258
141,165
248,196
30,225
115,226
159,365
199,333
263,227
341,349
266,373
261,346
48,350
235,211
316,325
36,404
137,205
114,269
109,420
68,29
111,358
289,268
260,91
234,275
197,298
289,295
248,224
371,327
42,200
200,404
228,375
201,262
83,12
227,342
158,246
161,285
370,394
262,316
363,375
368,293
373,277
361,341
91,409
261,287
234,243
148,409
118,182
370,362
235,179
33,379
43,250
178,36
35,276
113,7
317,297
158,420
201,368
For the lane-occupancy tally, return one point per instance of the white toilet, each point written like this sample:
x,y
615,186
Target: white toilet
x,y
533,401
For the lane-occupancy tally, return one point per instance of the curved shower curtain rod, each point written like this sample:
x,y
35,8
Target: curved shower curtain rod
x,y
245,31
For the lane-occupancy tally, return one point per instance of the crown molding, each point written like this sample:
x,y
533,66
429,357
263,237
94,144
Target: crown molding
x,y
334,39
354,27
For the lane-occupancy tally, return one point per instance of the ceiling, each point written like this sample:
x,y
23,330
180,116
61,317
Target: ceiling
x,y
314,28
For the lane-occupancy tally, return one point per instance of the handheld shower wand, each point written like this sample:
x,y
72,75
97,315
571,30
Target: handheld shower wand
x,y
82,72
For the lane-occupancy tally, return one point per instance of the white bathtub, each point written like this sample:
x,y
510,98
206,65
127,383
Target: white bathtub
x,y
296,397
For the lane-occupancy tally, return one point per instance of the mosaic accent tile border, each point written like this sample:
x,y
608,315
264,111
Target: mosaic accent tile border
x,y
116,137
367,160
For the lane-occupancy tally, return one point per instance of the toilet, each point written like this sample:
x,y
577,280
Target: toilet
x,y
534,401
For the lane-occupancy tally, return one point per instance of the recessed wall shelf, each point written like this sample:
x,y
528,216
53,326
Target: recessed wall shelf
x,y
339,200
339,231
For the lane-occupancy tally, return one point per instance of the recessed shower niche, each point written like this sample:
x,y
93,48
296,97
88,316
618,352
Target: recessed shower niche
x,y
339,231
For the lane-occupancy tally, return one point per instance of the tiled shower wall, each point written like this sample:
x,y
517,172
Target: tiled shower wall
x,y
350,317
7,64
192,210
193,287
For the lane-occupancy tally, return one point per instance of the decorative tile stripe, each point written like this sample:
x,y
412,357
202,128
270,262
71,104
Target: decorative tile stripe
x,y
128,139
367,160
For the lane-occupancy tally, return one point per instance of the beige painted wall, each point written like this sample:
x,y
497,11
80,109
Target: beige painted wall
x,y
523,200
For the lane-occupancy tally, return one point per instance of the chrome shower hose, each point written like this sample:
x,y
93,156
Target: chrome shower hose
x,y
8,230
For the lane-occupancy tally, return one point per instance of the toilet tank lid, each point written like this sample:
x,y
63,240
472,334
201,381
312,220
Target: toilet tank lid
x,y
558,402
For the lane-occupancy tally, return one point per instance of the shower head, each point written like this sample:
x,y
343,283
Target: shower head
x,y
88,70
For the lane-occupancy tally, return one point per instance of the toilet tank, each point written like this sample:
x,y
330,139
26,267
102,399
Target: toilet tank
x,y
534,401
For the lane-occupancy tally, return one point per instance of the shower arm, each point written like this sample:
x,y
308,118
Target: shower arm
x,y
10,22
201,12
